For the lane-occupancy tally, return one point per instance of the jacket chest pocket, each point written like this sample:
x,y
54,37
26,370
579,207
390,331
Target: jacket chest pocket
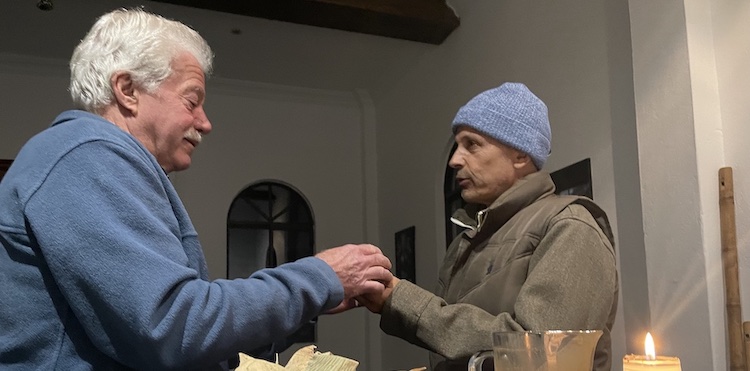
x,y
495,271
482,261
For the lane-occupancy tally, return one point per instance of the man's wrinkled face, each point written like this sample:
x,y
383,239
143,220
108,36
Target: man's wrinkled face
x,y
171,119
485,167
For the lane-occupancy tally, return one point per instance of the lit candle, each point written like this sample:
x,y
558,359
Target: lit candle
x,y
650,362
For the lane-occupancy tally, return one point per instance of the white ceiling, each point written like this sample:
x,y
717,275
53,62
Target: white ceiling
x,y
264,51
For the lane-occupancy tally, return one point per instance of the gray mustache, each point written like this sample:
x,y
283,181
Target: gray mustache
x,y
194,135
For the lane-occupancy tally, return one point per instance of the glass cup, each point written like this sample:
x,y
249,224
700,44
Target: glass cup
x,y
555,350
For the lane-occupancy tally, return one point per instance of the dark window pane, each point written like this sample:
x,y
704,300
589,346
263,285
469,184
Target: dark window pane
x,y
244,255
574,179
269,224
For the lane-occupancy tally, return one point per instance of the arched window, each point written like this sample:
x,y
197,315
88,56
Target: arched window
x,y
269,224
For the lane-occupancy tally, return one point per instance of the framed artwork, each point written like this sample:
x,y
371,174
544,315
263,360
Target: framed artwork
x,y
405,257
574,179
4,165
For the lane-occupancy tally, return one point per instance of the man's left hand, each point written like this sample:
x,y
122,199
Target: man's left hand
x,y
373,302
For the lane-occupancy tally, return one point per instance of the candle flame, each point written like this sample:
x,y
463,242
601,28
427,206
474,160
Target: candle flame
x,y
650,349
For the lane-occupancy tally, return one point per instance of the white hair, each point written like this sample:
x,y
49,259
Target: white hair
x,y
133,41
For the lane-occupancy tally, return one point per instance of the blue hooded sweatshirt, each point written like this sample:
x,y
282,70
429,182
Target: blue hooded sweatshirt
x,y
101,267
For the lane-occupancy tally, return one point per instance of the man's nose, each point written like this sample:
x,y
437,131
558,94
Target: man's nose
x,y
203,125
456,161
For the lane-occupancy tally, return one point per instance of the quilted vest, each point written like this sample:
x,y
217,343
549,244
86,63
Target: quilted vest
x,y
502,248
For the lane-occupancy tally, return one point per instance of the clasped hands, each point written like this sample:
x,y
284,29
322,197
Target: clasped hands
x,y
364,273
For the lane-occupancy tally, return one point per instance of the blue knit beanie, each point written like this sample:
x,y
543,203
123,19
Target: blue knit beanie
x,y
513,115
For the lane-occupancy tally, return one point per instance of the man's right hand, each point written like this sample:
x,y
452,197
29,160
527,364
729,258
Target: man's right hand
x,y
362,270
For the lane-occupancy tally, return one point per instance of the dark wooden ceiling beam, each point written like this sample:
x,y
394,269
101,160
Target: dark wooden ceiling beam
x,y
427,21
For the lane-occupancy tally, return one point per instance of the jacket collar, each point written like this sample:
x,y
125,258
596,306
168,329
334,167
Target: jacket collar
x,y
523,193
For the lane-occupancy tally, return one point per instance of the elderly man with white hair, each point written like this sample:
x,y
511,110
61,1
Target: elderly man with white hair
x,y
100,265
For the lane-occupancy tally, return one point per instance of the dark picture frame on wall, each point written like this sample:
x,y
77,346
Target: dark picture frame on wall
x,y
574,179
4,166
405,255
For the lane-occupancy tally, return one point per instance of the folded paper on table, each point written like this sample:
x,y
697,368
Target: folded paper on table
x,y
305,359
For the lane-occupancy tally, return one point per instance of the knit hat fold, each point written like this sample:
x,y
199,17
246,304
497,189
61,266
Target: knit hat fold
x,y
514,116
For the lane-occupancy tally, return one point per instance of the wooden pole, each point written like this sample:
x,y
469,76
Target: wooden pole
x,y
746,332
731,271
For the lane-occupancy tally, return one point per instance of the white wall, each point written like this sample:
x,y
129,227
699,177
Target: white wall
x,y
690,63
35,93
671,194
731,41
731,38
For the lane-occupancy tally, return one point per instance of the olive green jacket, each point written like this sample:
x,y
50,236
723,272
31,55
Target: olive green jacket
x,y
537,261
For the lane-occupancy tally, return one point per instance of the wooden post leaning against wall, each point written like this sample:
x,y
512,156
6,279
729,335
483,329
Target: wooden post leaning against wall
x,y
737,357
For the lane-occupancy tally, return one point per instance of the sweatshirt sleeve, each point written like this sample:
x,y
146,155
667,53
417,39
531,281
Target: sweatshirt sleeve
x,y
108,234
571,285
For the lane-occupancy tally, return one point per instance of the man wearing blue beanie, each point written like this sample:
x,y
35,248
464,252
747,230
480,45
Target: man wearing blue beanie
x,y
529,260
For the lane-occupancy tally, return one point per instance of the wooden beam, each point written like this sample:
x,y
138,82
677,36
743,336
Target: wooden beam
x,y
427,21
